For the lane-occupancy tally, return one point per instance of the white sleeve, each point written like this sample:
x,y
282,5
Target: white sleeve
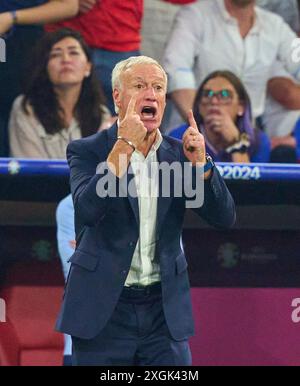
x,y
182,48
278,71
289,50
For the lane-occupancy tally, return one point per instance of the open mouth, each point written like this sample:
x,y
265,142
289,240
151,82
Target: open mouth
x,y
148,112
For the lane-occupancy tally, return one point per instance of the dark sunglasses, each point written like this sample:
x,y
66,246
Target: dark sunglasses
x,y
222,95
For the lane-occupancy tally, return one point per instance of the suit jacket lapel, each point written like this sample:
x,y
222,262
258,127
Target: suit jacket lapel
x,y
132,198
165,154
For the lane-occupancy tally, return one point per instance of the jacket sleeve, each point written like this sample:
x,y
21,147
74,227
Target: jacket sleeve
x,y
90,201
218,207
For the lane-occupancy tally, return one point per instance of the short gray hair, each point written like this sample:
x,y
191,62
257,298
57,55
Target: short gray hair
x,y
124,65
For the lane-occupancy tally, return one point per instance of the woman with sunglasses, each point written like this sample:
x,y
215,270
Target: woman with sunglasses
x,y
223,113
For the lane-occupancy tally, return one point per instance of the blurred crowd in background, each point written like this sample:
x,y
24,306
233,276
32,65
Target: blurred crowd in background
x,y
234,62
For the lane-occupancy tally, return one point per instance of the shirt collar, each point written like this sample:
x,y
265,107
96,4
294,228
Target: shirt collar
x,y
158,140
258,22
224,13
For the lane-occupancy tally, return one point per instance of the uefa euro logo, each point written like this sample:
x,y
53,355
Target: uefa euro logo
x,y
2,51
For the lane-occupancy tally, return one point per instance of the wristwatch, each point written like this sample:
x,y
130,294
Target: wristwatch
x,y
209,163
14,17
241,146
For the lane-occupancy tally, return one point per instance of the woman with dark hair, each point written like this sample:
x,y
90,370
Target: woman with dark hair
x,y
63,100
21,25
222,111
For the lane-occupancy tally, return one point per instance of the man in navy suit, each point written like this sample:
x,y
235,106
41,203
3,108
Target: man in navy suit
x,y
127,298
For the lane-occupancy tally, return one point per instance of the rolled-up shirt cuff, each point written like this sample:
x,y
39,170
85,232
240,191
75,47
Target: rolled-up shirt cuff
x,y
296,74
183,78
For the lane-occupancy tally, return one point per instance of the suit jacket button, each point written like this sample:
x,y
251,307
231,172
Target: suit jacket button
x,y
131,244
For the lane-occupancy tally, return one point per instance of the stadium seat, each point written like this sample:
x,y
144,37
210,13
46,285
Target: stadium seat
x,y
32,292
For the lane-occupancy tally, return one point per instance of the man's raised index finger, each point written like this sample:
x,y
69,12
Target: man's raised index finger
x,y
131,105
191,120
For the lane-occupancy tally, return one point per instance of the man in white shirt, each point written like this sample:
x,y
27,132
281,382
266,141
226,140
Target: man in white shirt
x,y
226,34
282,114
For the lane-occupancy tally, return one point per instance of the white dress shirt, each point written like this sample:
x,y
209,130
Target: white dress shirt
x,y
144,269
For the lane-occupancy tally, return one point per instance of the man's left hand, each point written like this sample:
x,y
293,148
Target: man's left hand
x,y
193,142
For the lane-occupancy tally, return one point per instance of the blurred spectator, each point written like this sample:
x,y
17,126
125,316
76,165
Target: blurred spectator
x,y
280,122
159,16
20,22
281,114
158,19
62,102
226,34
112,30
222,111
28,12
66,246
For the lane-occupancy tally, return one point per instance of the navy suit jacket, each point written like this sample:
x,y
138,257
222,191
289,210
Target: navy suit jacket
x,y
107,230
